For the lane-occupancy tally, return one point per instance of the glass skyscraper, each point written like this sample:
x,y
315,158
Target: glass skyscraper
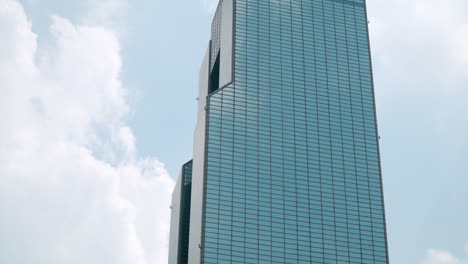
x,y
286,165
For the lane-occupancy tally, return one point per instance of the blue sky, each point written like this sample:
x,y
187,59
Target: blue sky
x,y
98,112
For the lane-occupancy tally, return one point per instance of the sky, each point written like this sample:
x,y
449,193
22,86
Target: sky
x,y
98,110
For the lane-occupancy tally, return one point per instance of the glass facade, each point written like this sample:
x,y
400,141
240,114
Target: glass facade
x,y
185,212
291,167
180,218
215,36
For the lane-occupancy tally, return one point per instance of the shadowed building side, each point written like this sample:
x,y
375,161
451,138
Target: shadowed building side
x,y
180,217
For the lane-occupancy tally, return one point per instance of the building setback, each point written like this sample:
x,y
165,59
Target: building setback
x,y
286,165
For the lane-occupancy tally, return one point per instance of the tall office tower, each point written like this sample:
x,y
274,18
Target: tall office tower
x,y
286,162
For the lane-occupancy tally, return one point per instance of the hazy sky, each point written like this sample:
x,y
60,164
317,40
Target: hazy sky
x,y
98,108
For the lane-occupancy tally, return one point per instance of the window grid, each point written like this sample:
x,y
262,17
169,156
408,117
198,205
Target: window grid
x,y
292,173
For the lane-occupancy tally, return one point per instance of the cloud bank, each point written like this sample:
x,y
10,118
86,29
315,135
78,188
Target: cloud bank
x,y
435,256
72,189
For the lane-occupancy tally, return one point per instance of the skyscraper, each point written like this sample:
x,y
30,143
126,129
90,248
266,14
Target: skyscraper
x,y
286,165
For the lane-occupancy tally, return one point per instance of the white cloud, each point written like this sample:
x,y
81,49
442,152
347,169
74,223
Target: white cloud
x,y
435,256
72,189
